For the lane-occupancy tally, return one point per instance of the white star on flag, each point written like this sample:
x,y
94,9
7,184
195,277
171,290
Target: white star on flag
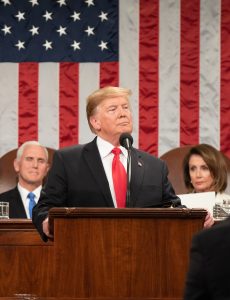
x,y
89,31
34,30
61,30
75,45
20,45
5,2
20,16
103,16
103,45
6,29
47,45
61,2
48,15
34,2
89,2
75,16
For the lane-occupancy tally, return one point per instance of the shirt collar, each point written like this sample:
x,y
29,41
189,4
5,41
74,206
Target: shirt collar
x,y
105,148
24,192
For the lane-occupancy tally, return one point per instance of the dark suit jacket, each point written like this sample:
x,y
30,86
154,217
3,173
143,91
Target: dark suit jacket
x,y
77,179
209,271
16,207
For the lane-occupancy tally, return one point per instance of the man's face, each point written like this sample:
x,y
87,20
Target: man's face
x,y
32,167
112,117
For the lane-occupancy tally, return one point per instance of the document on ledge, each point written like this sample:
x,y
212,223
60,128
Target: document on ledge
x,y
204,200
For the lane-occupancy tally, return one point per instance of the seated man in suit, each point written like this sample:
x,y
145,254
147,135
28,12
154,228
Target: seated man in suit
x,y
31,165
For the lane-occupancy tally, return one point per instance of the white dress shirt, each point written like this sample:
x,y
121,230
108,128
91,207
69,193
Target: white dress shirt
x,y
24,193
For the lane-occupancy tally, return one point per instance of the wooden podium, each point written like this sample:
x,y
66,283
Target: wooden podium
x,y
122,253
101,254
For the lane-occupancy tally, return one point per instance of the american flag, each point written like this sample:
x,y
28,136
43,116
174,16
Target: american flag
x,y
173,54
57,31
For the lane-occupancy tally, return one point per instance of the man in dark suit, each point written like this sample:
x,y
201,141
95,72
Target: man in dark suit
x,y
31,166
209,272
81,176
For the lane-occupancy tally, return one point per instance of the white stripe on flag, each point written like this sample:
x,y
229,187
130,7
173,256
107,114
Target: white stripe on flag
x,y
89,81
8,107
210,72
48,105
169,75
129,56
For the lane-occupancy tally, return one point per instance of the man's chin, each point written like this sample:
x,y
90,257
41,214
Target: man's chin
x,y
34,182
126,129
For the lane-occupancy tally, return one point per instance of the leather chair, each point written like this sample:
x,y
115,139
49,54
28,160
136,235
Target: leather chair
x,y
174,159
8,176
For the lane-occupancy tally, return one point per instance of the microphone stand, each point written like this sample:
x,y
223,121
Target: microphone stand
x,y
128,199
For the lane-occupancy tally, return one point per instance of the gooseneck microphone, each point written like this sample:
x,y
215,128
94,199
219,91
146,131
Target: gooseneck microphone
x,y
126,141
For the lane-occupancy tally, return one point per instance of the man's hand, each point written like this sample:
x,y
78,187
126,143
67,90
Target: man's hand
x,y
209,221
45,228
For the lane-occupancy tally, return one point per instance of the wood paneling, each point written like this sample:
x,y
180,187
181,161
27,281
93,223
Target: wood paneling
x,y
123,252
99,254
26,261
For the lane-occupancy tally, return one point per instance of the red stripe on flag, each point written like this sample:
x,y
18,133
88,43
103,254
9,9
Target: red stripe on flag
x,y
148,75
68,104
225,79
28,102
109,74
189,72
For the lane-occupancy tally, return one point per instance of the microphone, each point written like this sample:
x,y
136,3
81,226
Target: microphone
x,y
126,141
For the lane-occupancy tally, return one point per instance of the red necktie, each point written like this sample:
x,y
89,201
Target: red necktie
x,y
119,178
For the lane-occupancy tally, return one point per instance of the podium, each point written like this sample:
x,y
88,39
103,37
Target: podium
x,y
99,253
107,253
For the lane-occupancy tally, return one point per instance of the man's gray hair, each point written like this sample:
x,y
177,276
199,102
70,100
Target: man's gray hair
x,y
30,143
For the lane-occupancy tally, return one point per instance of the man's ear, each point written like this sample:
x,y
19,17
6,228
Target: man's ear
x,y
95,123
47,168
16,165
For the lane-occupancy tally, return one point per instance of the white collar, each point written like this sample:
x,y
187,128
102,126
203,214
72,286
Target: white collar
x,y
105,148
24,192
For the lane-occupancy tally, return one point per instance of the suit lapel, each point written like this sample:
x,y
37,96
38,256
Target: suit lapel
x,y
17,205
92,158
137,173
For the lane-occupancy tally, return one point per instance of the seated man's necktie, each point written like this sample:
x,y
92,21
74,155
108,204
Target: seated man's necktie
x,y
32,203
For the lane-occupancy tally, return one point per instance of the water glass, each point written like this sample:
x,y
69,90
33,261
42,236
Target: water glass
x,y
4,210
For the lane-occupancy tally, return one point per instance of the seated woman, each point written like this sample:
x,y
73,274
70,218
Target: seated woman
x,y
205,170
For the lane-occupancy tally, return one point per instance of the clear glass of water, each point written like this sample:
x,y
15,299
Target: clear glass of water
x,y
4,210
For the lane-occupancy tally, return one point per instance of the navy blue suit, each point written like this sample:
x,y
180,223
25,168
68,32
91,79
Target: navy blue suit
x,y
77,179
209,272
16,207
